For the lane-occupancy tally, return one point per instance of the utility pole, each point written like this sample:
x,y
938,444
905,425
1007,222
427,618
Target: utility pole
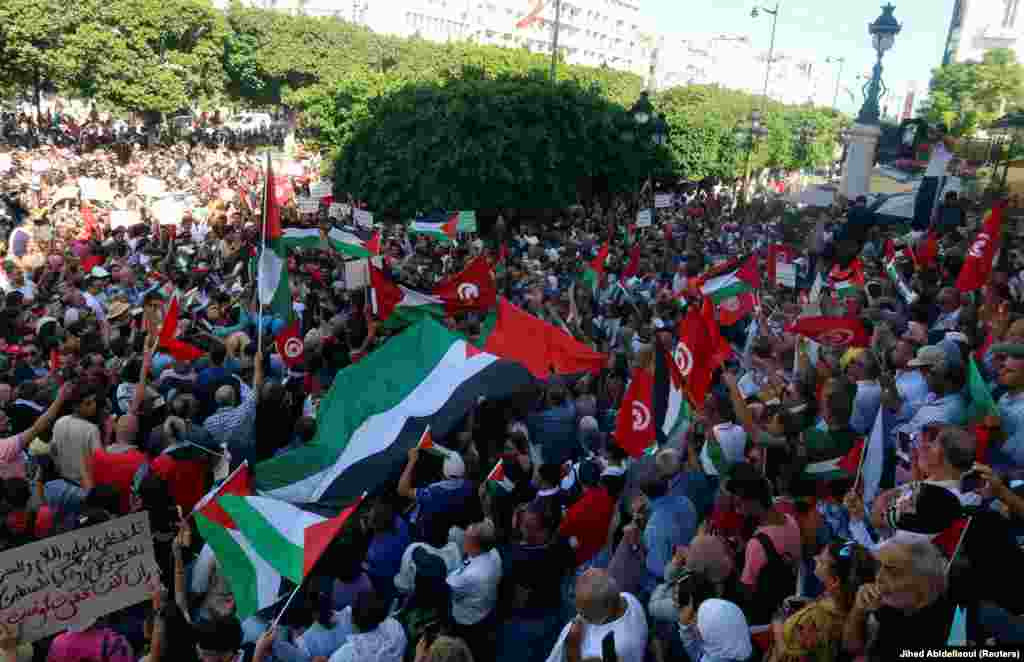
x,y
554,40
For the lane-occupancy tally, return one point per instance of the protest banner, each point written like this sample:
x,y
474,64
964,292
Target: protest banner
x,y
338,210
467,221
40,165
643,218
308,205
123,218
150,187
77,577
363,217
357,274
5,162
87,187
321,190
662,200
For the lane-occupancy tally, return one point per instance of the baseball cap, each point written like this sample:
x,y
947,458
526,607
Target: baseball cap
x,y
930,356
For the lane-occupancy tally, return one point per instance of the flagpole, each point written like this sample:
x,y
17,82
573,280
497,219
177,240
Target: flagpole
x,y
288,603
263,247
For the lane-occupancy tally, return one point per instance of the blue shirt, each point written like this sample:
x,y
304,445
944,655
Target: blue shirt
x,y
384,557
554,430
446,496
865,406
673,521
1011,454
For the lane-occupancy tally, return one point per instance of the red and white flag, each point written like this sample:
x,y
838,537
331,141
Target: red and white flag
x,y
473,288
290,345
700,350
832,331
978,264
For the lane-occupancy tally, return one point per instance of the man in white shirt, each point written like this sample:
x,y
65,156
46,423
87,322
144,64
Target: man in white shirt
x,y
602,611
93,293
474,589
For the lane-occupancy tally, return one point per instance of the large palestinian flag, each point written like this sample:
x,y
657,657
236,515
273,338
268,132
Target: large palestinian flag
x,y
377,410
444,231
272,280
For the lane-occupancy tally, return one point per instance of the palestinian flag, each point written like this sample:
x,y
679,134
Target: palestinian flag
x,y
497,478
982,406
473,288
654,409
353,245
848,281
593,273
273,273
378,408
832,331
302,238
445,231
836,454
292,540
397,305
731,281
543,348
256,585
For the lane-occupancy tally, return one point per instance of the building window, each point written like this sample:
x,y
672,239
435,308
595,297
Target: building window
x,y
1010,14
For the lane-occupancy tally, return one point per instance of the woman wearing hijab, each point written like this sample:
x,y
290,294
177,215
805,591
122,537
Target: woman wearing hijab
x,y
716,632
708,556
814,633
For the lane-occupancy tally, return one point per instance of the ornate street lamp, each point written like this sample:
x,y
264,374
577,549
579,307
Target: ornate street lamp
x,y
883,35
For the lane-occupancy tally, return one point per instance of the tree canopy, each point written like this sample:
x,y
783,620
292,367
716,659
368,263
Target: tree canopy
x,y
472,142
967,96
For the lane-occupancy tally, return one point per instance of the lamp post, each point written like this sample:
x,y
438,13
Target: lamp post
x,y
883,35
749,136
774,13
863,140
839,77
646,123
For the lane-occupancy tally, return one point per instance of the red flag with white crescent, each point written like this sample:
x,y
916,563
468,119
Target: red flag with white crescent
x,y
290,345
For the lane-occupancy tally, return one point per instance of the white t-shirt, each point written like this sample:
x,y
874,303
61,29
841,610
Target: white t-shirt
x,y
732,439
630,636
475,588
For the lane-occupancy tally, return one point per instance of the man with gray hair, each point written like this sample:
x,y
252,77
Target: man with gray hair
x,y
232,423
908,603
601,610
474,589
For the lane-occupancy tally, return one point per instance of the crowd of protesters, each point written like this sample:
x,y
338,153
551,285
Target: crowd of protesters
x,y
720,545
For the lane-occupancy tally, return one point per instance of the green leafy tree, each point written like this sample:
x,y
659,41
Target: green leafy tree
x,y
967,96
474,142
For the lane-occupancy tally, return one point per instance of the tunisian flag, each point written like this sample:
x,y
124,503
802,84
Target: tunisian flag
x,y
978,264
471,289
700,350
635,425
832,331
543,348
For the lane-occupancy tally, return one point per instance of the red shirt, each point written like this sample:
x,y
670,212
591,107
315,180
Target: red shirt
x,y
118,468
588,520
186,479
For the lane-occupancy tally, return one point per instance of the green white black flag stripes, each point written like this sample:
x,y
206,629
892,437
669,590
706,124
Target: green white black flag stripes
x,y
378,408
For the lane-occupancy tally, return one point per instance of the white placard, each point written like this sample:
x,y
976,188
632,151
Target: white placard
x,y
5,162
785,273
308,205
227,195
662,200
123,218
357,274
168,211
150,186
643,218
40,165
338,210
321,190
363,217
66,192
67,580
294,169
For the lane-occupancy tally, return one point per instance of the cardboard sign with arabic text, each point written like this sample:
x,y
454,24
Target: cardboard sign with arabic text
x,y
74,578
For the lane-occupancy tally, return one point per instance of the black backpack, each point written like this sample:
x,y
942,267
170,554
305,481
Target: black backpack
x,y
775,583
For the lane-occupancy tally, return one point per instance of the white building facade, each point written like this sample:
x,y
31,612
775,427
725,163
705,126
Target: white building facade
x,y
739,62
977,26
591,32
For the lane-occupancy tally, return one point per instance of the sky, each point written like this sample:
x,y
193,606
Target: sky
x,y
823,29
